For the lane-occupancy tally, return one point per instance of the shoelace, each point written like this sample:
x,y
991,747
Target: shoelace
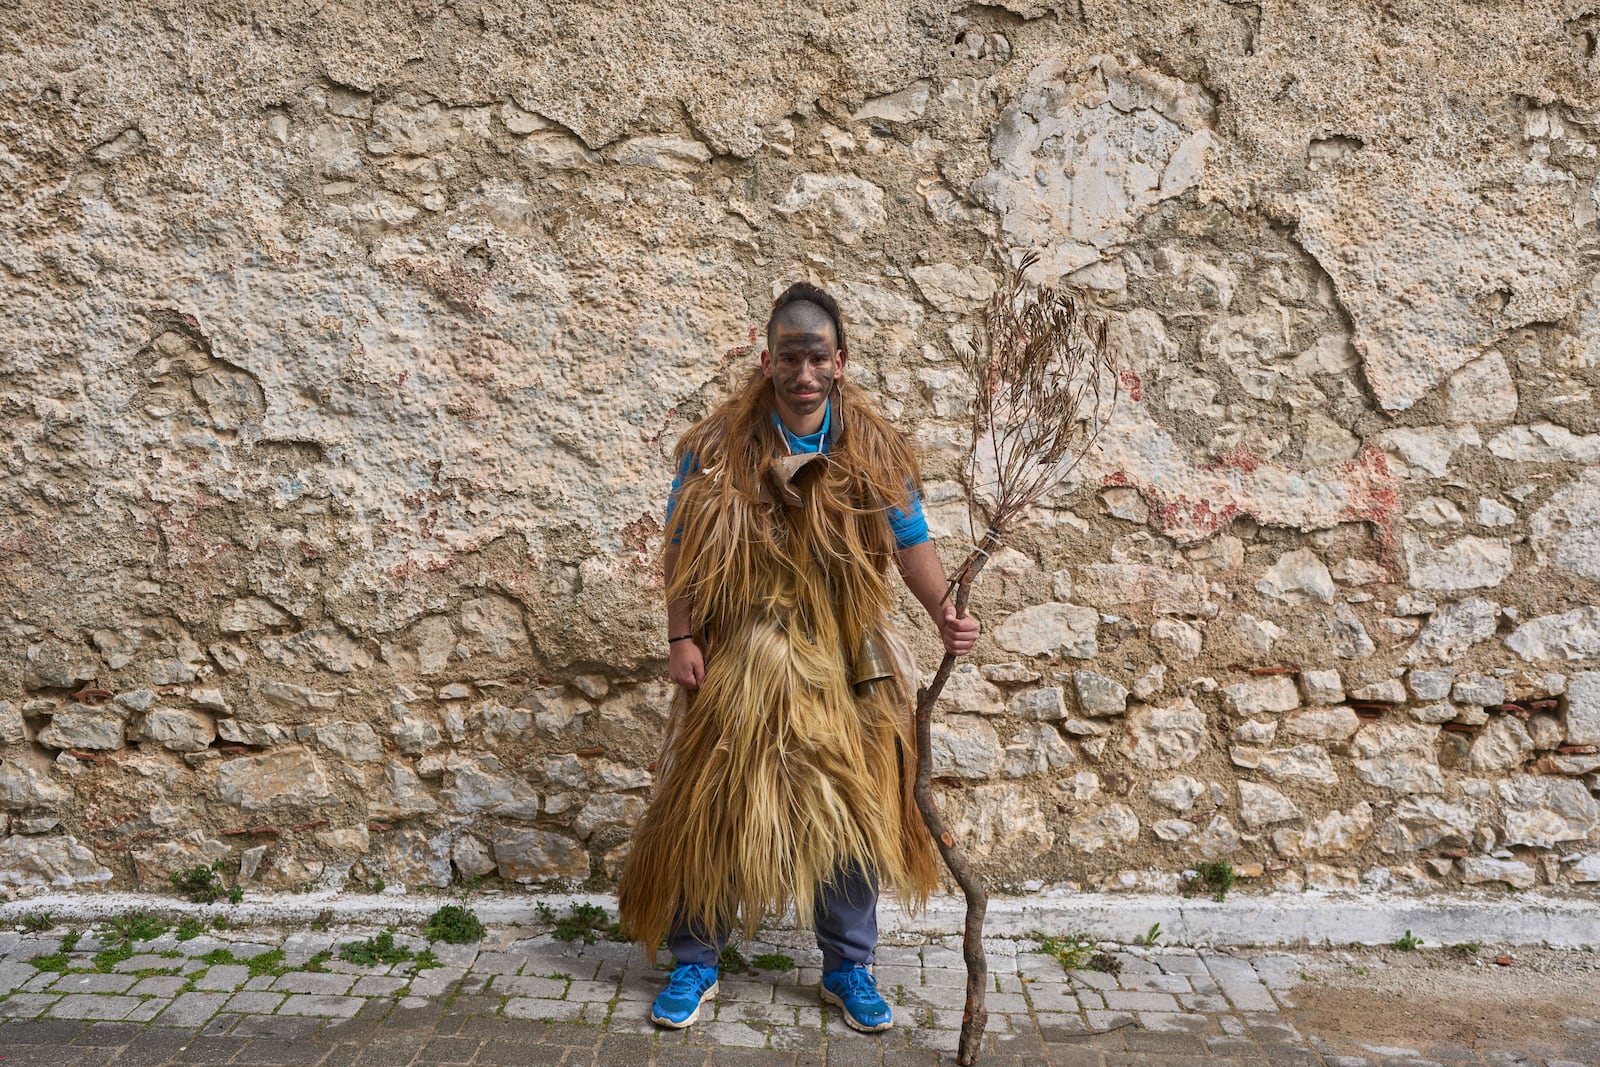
x,y
685,982
858,982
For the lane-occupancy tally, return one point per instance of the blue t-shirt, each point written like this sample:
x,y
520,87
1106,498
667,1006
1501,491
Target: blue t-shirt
x,y
910,527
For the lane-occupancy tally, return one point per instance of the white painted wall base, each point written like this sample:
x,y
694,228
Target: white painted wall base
x,y
1266,920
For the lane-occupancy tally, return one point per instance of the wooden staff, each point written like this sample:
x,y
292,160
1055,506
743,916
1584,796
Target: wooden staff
x,y
1042,395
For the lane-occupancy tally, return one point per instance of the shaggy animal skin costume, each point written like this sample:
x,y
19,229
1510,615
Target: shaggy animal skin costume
x,y
777,774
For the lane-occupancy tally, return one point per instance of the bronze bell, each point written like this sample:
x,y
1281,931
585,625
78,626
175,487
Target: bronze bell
x,y
872,663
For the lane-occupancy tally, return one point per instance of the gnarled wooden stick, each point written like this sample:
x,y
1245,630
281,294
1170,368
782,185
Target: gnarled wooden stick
x,y
974,1016
1043,384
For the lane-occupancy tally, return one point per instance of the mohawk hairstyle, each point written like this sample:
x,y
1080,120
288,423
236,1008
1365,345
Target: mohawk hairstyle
x,y
806,293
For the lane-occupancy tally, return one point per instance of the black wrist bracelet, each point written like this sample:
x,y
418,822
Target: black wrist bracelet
x,y
680,637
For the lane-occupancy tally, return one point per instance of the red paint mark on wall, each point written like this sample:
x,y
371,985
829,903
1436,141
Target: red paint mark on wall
x,y
1238,458
1130,381
1196,516
1374,494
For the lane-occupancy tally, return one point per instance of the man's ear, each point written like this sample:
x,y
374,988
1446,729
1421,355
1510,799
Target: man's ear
x,y
766,363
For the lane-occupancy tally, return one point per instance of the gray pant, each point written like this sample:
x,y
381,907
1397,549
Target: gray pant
x,y
846,921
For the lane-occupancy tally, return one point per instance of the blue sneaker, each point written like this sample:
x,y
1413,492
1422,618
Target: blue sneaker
x,y
679,1003
853,988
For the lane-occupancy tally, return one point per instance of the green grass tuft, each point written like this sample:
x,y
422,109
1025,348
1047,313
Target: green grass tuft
x,y
586,923
375,950
135,926
1213,878
107,959
1075,952
202,884
454,924
773,961
267,963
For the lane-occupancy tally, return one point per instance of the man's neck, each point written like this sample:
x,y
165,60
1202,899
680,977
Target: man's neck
x,y
802,425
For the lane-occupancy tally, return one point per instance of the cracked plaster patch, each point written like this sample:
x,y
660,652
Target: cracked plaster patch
x,y
1432,271
1084,153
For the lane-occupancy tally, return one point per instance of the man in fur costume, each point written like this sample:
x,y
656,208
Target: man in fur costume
x,y
787,771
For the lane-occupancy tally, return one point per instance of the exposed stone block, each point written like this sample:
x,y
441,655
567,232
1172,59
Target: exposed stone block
x,y
1112,826
1299,576
1478,869
1262,805
285,777
1046,703
1178,793
1478,689
539,856
966,690
179,729
56,862
1261,695
1583,709
1322,687
1046,629
1163,738
1430,685
965,746
1099,695
82,726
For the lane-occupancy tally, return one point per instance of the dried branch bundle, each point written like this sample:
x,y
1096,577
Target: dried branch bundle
x,y
1045,386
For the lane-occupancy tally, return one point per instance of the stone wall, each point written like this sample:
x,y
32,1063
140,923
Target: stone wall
x,y
344,348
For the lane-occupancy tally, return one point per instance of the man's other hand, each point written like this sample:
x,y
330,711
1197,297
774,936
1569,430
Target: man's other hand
x,y
958,634
687,667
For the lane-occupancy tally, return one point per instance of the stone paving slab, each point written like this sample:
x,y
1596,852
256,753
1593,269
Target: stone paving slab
x,y
519,1000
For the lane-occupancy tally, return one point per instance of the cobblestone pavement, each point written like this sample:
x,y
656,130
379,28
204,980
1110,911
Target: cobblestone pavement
x,y
517,1000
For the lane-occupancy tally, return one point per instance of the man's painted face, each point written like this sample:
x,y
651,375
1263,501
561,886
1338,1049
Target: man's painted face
x,y
802,364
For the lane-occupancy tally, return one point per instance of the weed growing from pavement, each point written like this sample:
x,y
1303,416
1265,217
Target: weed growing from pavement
x,y
204,885
59,960
1407,943
1075,952
375,950
454,924
270,962
731,959
37,923
1150,938
135,926
773,961
586,923
106,959
1071,951
1214,878
190,928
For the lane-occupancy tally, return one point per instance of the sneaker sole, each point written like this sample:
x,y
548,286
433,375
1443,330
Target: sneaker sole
x,y
671,1024
850,1020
